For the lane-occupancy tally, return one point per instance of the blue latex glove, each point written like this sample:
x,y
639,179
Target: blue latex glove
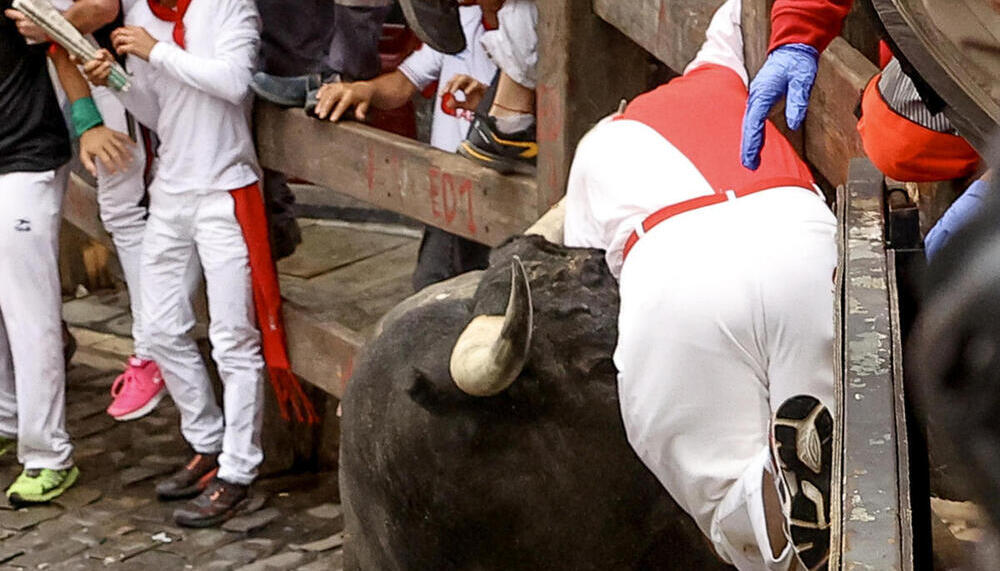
x,y
789,69
963,210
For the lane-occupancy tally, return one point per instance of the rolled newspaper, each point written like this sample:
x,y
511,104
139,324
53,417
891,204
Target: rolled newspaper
x,y
66,35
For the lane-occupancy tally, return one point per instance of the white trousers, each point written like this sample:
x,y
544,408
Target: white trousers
x,y
121,197
32,372
181,226
513,46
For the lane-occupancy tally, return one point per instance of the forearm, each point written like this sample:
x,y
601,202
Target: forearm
x,y
89,16
73,83
392,90
812,22
222,78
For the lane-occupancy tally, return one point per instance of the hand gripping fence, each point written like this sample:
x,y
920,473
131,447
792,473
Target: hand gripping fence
x,y
63,33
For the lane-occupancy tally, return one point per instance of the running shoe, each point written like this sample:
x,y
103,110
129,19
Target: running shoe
x,y
220,501
190,480
803,448
502,152
41,485
137,391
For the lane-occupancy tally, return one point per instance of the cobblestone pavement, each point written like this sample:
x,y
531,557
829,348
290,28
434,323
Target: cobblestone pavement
x,y
111,518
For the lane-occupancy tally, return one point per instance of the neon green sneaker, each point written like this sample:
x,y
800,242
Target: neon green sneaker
x,y
7,444
41,485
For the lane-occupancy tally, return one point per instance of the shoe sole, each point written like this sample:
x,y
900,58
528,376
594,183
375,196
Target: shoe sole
x,y
189,492
19,501
144,409
214,520
502,165
276,99
803,439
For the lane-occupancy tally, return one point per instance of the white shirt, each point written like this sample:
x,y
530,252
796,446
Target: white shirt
x,y
623,172
197,99
425,66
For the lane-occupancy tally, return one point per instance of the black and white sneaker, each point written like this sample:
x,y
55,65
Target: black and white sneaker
x,y
802,445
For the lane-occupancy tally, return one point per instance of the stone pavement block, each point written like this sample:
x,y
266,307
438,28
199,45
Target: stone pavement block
x,y
77,497
59,550
326,248
243,552
154,560
334,541
79,373
116,345
326,511
22,519
199,542
124,547
89,311
248,523
137,474
81,409
156,460
87,337
91,426
287,560
331,562
120,326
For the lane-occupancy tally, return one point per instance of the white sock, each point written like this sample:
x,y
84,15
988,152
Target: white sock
x,y
514,123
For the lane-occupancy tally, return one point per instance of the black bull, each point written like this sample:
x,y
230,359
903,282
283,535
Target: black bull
x,y
540,476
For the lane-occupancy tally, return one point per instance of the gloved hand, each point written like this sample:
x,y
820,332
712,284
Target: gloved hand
x,y
960,213
789,69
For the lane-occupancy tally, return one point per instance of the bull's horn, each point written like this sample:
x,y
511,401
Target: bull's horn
x,y
491,352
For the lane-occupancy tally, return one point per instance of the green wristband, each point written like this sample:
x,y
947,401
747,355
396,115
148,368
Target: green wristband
x,y
85,115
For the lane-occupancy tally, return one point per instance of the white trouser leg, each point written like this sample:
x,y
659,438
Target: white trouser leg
x,y
234,334
725,312
30,302
168,248
513,46
8,390
121,197
724,41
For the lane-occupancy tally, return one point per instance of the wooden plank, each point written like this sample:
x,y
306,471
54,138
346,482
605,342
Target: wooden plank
x,y
396,173
322,353
673,32
756,23
80,209
831,135
867,530
585,69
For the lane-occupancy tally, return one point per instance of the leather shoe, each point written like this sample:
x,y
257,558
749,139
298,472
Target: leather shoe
x,y
220,501
190,480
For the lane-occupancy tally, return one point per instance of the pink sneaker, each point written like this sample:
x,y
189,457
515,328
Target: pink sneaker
x,y
137,391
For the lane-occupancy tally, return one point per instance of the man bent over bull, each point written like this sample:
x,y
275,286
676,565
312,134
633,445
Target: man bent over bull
x,y
725,348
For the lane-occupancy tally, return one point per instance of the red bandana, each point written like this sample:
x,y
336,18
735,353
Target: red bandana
x,y
175,15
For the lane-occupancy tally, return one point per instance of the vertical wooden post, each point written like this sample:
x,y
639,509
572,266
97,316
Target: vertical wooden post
x,y
756,23
585,68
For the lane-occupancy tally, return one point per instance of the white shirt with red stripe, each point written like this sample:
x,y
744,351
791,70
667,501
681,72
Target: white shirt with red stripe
x,y
197,98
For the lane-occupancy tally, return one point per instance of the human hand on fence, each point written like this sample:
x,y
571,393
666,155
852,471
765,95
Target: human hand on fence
x,y
790,70
334,99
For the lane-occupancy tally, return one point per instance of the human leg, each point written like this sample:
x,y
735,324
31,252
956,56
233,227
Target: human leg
x,y
282,226
8,393
353,52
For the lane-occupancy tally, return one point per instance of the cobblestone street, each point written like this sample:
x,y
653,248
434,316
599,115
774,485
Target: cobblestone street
x,y
111,518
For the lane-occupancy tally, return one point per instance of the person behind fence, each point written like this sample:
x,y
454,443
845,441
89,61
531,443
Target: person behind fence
x,y
725,331
34,152
122,200
503,135
191,65
462,82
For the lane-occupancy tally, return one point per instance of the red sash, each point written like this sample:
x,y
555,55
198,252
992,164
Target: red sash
x,y
267,300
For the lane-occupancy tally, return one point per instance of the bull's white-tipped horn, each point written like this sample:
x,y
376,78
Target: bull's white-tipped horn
x,y
491,352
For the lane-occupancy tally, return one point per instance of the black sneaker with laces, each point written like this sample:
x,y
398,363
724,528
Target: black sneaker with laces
x,y
802,446
502,152
220,501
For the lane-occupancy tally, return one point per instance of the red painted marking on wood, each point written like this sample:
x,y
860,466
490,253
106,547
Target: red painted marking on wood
x,y
370,169
466,189
551,114
448,192
435,192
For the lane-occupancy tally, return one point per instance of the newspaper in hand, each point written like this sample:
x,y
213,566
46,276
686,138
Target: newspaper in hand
x,y
66,35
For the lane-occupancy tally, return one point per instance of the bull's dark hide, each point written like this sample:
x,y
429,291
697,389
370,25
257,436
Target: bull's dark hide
x,y
538,477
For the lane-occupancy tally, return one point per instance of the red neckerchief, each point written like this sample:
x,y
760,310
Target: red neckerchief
x,y
175,15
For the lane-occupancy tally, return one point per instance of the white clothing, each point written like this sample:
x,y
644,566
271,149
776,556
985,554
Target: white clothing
x,y
197,98
203,223
426,66
726,311
32,371
514,44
